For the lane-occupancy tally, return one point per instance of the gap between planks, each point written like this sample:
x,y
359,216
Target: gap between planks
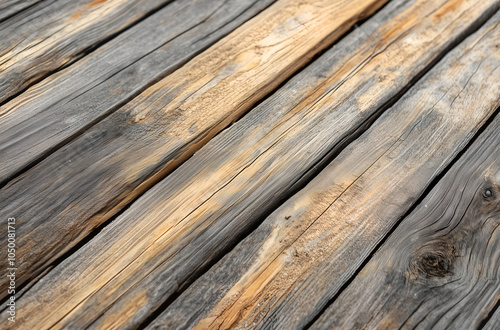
x,y
123,155
114,228
439,268
410,210
48,37
286,271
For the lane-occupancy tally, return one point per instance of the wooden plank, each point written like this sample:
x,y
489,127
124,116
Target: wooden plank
x,y
286,271
83,184
63,105
494,322
178,227
52,34
9,8
440,267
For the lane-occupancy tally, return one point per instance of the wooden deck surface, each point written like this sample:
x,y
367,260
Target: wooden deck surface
x,y
275,164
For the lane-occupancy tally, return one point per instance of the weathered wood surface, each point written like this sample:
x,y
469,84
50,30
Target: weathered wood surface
x,y
494,322
440,267
284,273
179,226
10,8
52,34
81,185
52,112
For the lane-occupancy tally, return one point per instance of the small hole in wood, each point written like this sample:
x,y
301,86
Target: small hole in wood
x,y
487,193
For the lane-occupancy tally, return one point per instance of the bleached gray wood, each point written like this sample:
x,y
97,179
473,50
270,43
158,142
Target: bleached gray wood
x,y
440,267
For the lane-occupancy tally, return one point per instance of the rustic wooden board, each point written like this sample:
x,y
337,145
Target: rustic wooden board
x,y
182,224
9,8
83,184
63,105
52,34
440,267
286,271
494,322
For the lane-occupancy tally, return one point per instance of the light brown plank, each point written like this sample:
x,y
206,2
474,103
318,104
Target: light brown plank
x,y
63,105
440,267
77,188
178,227
284,273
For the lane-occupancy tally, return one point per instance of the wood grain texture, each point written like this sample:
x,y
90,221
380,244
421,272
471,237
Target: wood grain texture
x,y
440,267
10,8
63,105
286,271
172,232
494,322
54,33
83,184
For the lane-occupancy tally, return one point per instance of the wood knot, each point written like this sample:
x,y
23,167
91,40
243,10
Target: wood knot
x,y
433,263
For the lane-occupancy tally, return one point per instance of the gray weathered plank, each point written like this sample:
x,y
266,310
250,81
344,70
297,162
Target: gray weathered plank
x,y
55,110
284,273
179,226
81,185
54,33
440,267
10,8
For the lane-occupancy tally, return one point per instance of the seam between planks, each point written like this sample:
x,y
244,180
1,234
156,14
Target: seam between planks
x,y
407,213
4,182
84,52
348,139
29,283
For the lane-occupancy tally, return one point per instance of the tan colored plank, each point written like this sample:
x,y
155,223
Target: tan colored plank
x,y
440,267
56,110
285,272
77,188
179,226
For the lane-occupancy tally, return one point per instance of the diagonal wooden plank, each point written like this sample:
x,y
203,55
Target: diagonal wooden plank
x,y
62,106
9,8
54,33
286,271
178,227
440,267
83,184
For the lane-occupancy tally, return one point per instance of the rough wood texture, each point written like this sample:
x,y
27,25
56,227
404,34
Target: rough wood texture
x,y
54,111
52,34
285,272
77,188
494,322
440,267
154,249
10,8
